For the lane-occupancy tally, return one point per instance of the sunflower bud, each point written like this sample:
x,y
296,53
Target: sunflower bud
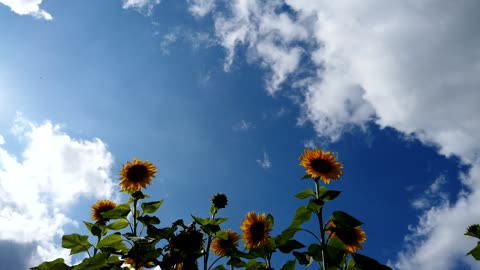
x,y
219,200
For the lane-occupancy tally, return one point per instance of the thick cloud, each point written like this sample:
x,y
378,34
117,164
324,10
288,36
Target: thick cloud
x,y
28,7
410,65
38,187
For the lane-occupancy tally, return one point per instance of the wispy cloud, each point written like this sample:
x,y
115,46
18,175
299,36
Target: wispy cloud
x,y
28,7
265,161
200,8
167,41
143,6
433,195
243,126
36,186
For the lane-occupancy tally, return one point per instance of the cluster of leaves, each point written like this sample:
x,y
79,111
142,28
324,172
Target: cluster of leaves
x,y
474,231
129,237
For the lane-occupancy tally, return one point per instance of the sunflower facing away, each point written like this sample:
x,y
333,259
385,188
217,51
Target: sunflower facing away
x,y
137,175
222,247
100,207
255,230
321,165
352,238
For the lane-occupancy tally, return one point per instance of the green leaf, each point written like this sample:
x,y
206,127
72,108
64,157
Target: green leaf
x,y
201,221
303,258
113,241
290,245
217,221
475,252
118,225
254,265
335,252
98,261
138,195
330,195
305,194
344,220
58,264
236,262
290,265
149,220
76,243
302,215
151,207
120,211
213,210
364,262
270,220
315,251
210,229
474,231
219,267
306,176
221,235
315,205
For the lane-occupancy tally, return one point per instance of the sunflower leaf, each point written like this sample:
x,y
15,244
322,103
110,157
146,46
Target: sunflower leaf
x,y
290,265
335,252
149,220
236,262
364,262
151,207
306,176
315,251
221,235
98,261
475,252
58,264
76,243
315,205
201,221
344,220
254,265
219,267
114,241
303,258
305,194
473,230
270,220
120,211
290,246
301,216
118,225
330,195
217,221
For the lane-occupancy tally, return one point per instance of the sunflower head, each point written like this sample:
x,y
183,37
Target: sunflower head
x,y
100,207
222,247
219,200
352,237
321,165
256,230
140,266
136,175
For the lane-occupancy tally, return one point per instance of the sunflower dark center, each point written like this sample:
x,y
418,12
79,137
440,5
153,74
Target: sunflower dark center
x,y
321,165
348,237
137,173
257,230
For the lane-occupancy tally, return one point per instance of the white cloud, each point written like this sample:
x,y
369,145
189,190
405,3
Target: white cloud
x,y
200,8
168,40
243,126
143,6
410,65
38,187
265,161
2,140
268,35
433,195
28,7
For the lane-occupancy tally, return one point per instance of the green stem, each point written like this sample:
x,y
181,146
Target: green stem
x,y
135,217
215,262
310,232
320,222
207,251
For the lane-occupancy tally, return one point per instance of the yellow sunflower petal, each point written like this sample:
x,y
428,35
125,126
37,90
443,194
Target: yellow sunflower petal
x,y
137,175
321,165
255,230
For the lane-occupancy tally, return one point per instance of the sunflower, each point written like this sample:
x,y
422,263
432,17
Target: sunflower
x,y
140,266
321,165
137,175
222,247
352,238
100,207
255,230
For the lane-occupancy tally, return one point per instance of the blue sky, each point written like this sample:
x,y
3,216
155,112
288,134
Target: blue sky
x,y
223,96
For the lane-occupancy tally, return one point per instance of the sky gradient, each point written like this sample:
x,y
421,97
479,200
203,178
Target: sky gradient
x,y
223,96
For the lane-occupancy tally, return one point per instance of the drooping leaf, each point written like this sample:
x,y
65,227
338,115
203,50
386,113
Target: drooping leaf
x,y
254,265
305,194
222,235
335,252
201,221
473,230
76,243
236,262
151,207
475,252
98,261
217,221
315,251
149,220
315,205
290,265
364,262
113,241
330,195
306,176
270,220
58,264
118,225
120,211
290,245
303,258
344,220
